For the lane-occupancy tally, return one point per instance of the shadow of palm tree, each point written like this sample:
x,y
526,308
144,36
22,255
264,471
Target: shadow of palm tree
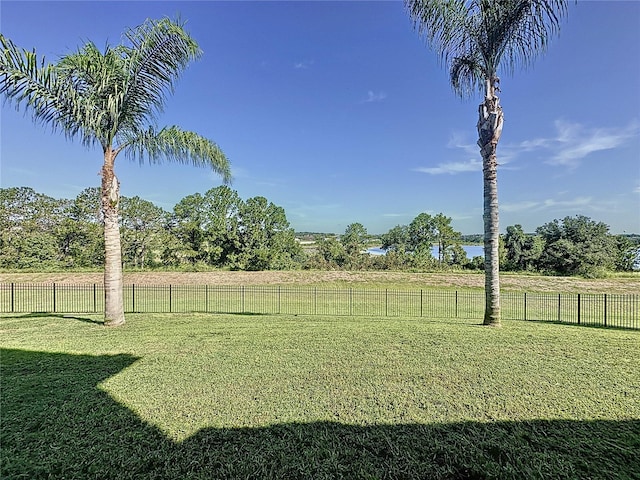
x,y
55,315
58,423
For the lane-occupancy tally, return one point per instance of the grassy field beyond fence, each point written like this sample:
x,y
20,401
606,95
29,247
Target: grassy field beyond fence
x,y
204,396
610,310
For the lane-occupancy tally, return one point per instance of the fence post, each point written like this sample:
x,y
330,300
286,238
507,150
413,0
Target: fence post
x,y
578,309
133,298
456,303
12,296
54,298
170,298
206,298
525,306
605,309
279,300
242,298
95,307
559,306
420,303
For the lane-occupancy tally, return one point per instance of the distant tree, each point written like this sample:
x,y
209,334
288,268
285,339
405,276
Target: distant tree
x,y
522,251
396,239
266,239
354,239
577,246
476,263
422,234
458,255
188,225
28,222
330,253
446,238
142,225
628,254
111,99
221,224
80,234
474,38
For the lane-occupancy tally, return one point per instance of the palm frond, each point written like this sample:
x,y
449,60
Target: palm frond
x,y
160,51
29,82
176,145
495,33
99,80
442,24
467,75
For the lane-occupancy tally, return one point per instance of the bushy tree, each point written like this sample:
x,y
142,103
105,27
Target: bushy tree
x,y
142,225
188,225
330,254
220,229
522,251
28,222
446,239
577,246
80,234
422,234
396,239
354,241
628,254
266,240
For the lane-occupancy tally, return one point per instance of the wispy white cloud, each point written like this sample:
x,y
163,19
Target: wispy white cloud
x,y
375,96
303,64
546,204
471,165
519,206
575,142
571,144
460,140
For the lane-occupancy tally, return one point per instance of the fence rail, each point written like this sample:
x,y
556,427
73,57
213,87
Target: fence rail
x,y
609,310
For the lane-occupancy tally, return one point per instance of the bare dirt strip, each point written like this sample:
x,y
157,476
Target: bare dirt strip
x,y
391,280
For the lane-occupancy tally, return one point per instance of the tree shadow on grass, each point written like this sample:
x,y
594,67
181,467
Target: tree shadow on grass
x,y
587,324
55,315
58,423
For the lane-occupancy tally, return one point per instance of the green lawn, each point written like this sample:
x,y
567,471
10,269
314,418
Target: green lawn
x,y
257,396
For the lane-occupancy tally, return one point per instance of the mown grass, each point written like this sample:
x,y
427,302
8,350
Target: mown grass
x,y
257,396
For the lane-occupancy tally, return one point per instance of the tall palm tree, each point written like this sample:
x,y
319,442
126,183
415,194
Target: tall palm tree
x,y
112,99
475,38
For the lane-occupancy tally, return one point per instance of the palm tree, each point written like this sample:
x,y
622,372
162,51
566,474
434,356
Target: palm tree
x,y
112,98
475,38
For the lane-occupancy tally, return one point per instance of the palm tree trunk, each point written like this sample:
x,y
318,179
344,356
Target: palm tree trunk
x,y
113,299
489,130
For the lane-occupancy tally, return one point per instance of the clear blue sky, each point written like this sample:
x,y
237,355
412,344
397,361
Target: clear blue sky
x,y
339,113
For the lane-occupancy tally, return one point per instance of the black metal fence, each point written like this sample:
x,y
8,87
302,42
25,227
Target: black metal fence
x,y
609,310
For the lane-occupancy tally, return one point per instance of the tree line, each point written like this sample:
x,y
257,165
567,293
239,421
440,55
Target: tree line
x,y
218,229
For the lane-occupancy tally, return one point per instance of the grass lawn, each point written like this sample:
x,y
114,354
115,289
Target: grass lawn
x,y
256,396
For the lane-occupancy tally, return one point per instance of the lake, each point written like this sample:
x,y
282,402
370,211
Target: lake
x,y
472,251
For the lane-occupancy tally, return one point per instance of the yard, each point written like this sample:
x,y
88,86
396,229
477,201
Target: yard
x,y
260,396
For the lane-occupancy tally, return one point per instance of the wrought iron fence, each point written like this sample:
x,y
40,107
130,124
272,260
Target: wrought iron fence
x,y
610,310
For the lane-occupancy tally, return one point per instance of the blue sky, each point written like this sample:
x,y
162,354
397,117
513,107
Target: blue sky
x,y
338,112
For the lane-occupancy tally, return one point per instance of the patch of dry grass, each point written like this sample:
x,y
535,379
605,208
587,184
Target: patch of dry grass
x,y
378,280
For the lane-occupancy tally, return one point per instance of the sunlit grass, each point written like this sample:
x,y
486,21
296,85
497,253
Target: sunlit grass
x,y
318,397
